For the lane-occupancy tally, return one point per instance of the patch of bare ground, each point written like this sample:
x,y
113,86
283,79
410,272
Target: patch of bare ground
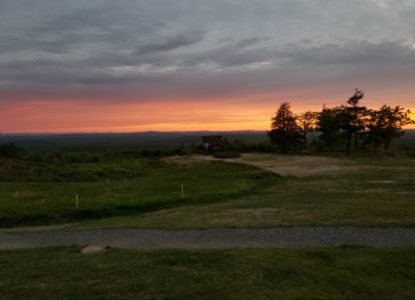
x,y
186,160
286,165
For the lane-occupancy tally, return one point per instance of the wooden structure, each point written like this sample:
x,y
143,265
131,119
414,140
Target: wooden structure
x,y
213,143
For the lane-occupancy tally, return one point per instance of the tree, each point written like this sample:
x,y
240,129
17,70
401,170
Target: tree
x,y
385,124
355,119
328,124
307,123
285,132
342,122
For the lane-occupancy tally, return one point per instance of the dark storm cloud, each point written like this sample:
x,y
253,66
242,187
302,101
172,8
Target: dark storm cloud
x,y
176,48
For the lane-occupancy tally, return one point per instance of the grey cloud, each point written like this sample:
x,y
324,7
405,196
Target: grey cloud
x,y
66,31
218,46
171,43
250,42
300,66
353,52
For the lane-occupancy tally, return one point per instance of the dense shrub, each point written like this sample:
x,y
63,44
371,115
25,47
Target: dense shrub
x,y
10,150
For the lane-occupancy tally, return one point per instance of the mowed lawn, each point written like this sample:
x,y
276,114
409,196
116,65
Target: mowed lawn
x,y
329,273
316,191
47,194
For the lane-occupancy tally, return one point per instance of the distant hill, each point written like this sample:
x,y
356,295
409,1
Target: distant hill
x,y
137,140
103,141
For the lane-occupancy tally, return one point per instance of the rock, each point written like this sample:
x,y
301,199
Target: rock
x,y
92,249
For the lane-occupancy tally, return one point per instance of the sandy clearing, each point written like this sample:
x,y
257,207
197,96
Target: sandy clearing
x,y
286,165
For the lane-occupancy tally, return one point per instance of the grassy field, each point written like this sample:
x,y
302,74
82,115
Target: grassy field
x,y
325,191
32,193
332,273
256,190
120,191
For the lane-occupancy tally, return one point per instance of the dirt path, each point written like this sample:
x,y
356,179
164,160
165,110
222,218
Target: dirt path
x,y
215,238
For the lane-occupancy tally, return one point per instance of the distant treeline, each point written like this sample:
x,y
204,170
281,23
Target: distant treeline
x,y
135,141
350,127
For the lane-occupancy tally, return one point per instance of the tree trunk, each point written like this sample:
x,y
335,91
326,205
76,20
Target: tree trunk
x,y
305,141
349,143
355,142
284,147
387,144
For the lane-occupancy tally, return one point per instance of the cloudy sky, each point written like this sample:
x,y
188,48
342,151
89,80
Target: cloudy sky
x,y
136,65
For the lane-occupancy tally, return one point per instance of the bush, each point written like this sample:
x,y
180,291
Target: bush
x,y
10,150
227,154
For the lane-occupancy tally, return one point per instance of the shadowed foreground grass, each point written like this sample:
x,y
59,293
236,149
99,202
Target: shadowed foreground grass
x,y
331,273
105,190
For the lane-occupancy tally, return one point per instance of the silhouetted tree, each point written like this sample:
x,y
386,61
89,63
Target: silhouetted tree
x,y
385,124
340,126
343,122
307,122
285,132
328,124
355,119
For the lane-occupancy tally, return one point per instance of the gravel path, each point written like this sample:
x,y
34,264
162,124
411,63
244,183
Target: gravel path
x,y
214,238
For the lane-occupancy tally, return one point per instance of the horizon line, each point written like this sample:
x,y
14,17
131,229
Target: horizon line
x,y
128,132
143,132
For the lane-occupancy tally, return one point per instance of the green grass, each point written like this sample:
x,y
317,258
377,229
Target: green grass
x,y
376,192
72,168
145,193
329,273
119,188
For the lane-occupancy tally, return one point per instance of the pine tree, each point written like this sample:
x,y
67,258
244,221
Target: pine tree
x,y
284,129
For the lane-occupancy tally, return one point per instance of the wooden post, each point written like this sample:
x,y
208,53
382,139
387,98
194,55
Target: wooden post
x,y
182,186
76,201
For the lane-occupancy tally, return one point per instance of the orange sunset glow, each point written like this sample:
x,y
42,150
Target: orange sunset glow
x,y
84,116
74,116
67,116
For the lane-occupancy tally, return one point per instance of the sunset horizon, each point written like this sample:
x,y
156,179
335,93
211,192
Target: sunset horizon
x,y
132,66
185,116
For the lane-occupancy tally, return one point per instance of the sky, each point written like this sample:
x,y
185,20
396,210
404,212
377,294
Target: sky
x,y
182,65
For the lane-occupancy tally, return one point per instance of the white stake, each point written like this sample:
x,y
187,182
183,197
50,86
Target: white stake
x,y
76,201
182,186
